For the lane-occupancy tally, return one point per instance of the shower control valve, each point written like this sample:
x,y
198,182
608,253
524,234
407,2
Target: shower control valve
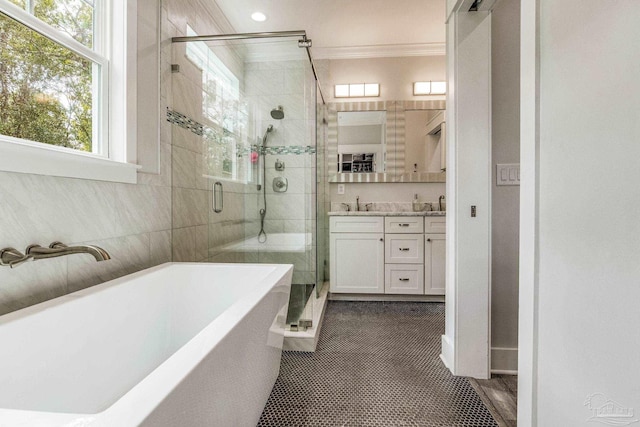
x,y
280,184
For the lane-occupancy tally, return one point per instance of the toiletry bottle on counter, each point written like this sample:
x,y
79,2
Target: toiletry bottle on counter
x,y
417,206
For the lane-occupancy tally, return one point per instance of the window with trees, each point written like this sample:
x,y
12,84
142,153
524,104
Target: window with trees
x,y
67,88
53,68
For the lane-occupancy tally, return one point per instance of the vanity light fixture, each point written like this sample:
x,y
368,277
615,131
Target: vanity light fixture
x,y
357,90
258,16
429,88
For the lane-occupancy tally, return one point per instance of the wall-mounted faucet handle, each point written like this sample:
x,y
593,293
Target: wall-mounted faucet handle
x,y
367,206
12,257
346,206
57,249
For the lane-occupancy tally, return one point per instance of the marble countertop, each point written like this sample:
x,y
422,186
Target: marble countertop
x,y
378,213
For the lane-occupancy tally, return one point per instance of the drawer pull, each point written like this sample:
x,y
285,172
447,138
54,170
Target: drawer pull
x,y
403,249
403,225
403,279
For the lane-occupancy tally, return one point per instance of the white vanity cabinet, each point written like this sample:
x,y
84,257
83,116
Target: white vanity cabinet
x,y
398,255
357,254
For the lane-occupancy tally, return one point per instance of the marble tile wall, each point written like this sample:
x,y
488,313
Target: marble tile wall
x,y
132,222
198,232
290,84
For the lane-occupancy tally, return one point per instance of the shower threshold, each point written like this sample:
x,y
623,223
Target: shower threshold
x,y
308,340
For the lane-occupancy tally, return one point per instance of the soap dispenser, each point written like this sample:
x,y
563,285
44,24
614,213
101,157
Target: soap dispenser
x,y
417,206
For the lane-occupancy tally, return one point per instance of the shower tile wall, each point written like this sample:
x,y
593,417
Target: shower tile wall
x,y
290,84
198,232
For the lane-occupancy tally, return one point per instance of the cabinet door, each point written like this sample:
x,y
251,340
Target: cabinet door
x,y
434,263
357,263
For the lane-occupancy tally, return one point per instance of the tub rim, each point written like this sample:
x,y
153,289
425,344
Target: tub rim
x,y
144,396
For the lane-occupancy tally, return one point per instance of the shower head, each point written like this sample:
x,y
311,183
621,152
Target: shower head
x,y
278,113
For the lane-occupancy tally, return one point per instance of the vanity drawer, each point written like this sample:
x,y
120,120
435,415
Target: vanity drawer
x,y
403,279
435,224
356,224
403,224
404,248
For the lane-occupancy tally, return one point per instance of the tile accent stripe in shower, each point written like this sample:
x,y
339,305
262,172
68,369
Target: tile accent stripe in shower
x,y
199,129
184,122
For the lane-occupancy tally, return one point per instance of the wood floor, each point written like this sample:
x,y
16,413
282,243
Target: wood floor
x,y
500,396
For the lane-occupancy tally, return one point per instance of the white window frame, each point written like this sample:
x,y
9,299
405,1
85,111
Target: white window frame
x,y
116,158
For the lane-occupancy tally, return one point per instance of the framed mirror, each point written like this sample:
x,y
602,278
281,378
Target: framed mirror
x,y
386,141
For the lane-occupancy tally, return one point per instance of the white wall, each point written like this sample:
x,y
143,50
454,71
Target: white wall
x,y
579,264
505,128
395,75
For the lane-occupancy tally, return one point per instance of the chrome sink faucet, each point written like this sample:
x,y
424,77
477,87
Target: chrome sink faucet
x,y
358,203
346,206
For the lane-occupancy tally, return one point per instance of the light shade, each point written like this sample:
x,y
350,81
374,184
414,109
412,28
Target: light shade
x,y
422,88
357,90
429,88
438,88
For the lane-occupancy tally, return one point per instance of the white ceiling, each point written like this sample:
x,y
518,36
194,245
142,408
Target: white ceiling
x,y
349,28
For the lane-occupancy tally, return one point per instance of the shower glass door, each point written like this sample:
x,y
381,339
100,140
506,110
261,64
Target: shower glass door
x,y
243,116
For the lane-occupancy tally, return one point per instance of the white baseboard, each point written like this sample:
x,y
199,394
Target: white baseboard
x,y
447,353
504,360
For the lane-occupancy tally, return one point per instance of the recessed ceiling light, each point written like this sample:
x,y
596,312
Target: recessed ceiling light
x,y
258,16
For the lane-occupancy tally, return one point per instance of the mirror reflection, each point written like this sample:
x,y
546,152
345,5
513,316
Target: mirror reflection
x,y
361,141
392,141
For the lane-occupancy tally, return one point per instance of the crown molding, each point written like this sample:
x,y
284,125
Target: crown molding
x,y
380,51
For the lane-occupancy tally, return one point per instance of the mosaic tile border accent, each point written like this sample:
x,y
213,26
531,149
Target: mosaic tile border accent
x,y
199,129
291,149
184,122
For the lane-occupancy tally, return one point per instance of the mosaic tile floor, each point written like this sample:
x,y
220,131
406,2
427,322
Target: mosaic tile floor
x,y
377,364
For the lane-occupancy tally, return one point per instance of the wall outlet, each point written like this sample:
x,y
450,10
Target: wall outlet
x,y
341,188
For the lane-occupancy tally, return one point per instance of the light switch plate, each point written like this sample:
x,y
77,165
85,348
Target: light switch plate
x,y
508,174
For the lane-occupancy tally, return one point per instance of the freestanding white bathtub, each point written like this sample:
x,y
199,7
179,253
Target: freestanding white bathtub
x,y
174,345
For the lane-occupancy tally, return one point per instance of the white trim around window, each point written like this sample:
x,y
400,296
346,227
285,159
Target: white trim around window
x,y
115,159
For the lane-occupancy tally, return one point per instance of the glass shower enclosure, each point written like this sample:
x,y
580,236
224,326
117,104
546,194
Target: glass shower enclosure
x,y
244,149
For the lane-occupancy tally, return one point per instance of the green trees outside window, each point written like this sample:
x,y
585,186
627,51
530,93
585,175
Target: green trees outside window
x,y
46,88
